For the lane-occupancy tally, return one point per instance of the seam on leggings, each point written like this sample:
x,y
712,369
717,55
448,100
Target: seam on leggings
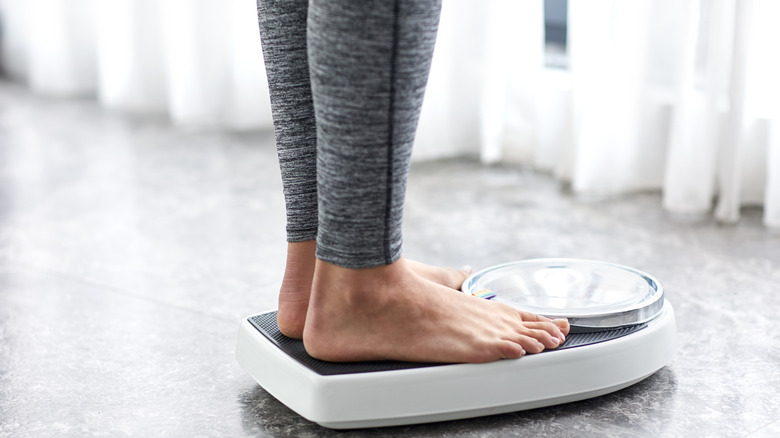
x,y
391,136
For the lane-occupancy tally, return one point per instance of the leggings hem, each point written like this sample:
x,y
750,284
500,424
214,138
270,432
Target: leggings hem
x,y
356,261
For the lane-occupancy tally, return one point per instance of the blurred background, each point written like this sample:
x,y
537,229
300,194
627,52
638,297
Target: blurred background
x,y
610,96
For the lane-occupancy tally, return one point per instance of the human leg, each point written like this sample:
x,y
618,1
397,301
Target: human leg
x,y
283,32
283,35
369,62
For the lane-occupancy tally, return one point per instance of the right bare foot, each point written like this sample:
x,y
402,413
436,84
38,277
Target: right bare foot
x,y
390,312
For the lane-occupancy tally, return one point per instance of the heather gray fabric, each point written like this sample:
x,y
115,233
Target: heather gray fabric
x,y
367,64
283,34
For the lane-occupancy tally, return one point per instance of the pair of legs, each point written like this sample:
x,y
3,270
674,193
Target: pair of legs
x,y
347,80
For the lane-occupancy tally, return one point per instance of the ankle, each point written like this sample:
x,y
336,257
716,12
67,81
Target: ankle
x,y
299,266
355,284
300,254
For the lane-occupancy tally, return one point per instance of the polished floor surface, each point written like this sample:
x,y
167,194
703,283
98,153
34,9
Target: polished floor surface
x,y
129,251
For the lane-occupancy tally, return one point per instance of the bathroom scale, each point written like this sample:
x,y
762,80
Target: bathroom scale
x,y
622,331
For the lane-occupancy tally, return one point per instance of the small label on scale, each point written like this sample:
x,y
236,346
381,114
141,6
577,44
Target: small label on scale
x,y
485,294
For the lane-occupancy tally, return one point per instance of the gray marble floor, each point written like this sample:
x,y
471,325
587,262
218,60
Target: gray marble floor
x,y
129,250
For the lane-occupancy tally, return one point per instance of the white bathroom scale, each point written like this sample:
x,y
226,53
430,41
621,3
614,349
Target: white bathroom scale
x,y
622,331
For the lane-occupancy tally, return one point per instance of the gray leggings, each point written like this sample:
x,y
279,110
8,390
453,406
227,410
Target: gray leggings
x,y
347,79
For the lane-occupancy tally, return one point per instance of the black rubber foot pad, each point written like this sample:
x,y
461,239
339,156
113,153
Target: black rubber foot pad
x,y
266,324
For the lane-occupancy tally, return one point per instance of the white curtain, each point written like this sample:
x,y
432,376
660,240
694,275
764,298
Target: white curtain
x,y
198,61
674,95
681,96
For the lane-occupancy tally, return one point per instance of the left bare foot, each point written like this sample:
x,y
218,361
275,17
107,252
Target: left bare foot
x,y
296,288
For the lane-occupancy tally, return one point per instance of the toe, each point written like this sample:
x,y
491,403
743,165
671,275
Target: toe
x,y
510,350
545,332
562,324
530,345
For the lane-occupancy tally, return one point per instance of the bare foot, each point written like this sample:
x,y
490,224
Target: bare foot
x,y
299,271
296,288
452,278
390,312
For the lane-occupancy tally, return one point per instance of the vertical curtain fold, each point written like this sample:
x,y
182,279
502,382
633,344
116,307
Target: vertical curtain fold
x,y
61,53
509,126
131,62
764,89
689,180
731,154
